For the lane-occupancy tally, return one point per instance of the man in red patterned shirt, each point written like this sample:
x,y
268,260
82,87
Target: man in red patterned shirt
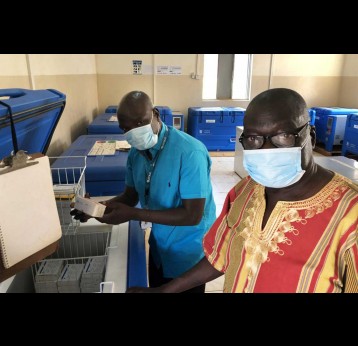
x,y
291,225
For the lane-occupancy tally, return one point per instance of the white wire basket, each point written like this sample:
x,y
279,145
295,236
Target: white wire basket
x,y
68,182
77,266
79,263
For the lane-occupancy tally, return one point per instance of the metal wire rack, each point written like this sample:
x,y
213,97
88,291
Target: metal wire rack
x,y
68,182
79,263
83,253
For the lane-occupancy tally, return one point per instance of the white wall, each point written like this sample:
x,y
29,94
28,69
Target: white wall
x,y
308,64
13,65
62,64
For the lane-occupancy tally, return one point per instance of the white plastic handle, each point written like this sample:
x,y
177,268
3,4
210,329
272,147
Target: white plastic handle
x,y
102,284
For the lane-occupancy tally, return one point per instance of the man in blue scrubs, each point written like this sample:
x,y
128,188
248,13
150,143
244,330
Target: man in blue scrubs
x,y
168,172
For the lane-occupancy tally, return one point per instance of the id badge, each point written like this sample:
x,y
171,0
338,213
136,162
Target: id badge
x,y
145,225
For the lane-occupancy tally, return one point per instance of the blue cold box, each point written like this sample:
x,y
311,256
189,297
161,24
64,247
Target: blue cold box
x,y
330,125
35,114
166,115
312,116
111,109
350,140
170,118
102,125
104,175
215,126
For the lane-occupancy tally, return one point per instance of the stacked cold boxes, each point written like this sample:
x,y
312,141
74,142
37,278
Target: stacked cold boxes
x,y
69,280
215,126
47,276
330,125
93,274
106,123
350,141
105,175
166,115
54,276
111,109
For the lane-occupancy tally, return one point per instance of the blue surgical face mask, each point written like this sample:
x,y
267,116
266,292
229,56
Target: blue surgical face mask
x,y
142,137
276,168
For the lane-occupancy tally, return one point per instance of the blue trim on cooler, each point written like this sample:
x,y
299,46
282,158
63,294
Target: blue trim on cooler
x,y
137,265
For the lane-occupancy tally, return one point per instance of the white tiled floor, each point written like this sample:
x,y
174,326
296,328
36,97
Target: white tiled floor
x,y
223,178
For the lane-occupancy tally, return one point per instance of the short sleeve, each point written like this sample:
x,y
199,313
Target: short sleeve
x,y
194,175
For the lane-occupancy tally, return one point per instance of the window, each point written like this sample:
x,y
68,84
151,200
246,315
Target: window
x,y
227,76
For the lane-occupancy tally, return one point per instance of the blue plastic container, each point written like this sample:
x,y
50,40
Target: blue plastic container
x,y
35,114
330,125
102,125
111,109
215,126
350,140
312,115
166,115
104,175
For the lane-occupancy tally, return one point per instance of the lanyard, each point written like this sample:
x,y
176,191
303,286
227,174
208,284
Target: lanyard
x,y
151,169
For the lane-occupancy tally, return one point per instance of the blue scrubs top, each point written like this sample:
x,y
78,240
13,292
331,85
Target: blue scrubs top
x,y
182,171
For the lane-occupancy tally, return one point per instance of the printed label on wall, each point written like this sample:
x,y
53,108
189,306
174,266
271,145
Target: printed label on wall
x,y
137,66
168,70
162,69
175,70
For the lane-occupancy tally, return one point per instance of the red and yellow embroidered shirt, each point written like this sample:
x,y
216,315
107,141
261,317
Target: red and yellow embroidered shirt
x,y
306,246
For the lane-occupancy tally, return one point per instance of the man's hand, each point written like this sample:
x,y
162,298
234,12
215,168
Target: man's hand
x,y
79,215
116,213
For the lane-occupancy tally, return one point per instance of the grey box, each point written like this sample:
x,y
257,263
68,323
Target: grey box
x,y
94,268
70,276
49,270
46,287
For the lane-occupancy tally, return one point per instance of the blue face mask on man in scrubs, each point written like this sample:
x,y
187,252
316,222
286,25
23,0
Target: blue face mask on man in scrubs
x,y
142,137
276,168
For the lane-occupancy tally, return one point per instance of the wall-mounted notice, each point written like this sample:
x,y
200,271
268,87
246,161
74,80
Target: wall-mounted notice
x,y
168,70
175,70
137,66
162,69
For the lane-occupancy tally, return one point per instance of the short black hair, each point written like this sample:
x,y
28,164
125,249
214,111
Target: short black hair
x,y
283,98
